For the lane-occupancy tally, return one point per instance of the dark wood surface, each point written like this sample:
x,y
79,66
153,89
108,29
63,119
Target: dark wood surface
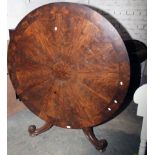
x,y
68,65
99,144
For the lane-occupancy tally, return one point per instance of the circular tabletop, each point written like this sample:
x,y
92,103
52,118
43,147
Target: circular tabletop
x,y
69,65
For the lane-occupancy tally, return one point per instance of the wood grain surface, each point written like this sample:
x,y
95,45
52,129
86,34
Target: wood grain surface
x,y
68,65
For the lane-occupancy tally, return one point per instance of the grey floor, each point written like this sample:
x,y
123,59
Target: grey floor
x,y
122,134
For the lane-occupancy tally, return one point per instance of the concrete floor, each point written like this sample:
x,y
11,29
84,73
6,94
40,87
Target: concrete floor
x,y
122,134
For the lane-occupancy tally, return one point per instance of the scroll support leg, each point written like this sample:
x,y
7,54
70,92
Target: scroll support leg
x,y
33,131
99,144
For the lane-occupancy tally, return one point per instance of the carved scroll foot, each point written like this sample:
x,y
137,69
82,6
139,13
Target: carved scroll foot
x,y
33,131
99,144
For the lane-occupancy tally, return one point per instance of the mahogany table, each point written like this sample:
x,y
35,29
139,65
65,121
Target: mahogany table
x,y
70,67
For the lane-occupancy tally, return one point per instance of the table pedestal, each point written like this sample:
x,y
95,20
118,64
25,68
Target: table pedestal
x,y
98,144
33,131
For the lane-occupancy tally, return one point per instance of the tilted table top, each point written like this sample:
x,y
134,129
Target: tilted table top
x,y
69,65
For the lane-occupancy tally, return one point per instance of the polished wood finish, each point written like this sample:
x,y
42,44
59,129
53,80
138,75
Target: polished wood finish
x,y
99,144
33,131
69,65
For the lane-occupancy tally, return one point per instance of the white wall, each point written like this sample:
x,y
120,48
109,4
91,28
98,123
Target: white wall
x,y
131,14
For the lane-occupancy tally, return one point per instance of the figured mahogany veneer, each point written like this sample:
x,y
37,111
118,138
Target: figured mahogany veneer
x,y
69,66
